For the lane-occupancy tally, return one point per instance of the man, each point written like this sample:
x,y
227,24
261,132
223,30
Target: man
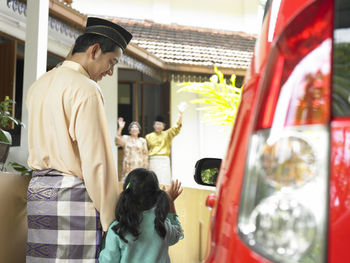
x,y
74,187
159,144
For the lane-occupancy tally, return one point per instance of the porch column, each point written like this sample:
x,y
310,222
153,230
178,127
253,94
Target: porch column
x,y
35,51
35,56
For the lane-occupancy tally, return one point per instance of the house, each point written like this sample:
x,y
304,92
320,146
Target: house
x,y
159,58
144,84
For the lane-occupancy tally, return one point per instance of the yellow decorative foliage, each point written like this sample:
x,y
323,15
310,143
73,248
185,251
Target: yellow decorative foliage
x,y
222,100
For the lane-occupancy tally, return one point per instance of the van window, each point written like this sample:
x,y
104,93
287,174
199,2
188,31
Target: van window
x,y
341,60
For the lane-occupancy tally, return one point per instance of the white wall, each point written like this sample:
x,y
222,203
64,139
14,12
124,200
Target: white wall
x,y
196,139
109,86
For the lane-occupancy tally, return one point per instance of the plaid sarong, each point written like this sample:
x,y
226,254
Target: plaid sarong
x,y
63,225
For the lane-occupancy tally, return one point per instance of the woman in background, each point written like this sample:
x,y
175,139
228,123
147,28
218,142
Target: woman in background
x,y
134,148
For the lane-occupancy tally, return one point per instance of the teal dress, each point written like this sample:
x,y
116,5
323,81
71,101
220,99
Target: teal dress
x,y
148,248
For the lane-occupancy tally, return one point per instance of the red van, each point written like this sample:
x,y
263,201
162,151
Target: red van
x,y
283,189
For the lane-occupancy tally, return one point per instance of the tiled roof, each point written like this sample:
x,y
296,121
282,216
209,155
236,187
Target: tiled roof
x,y
176,44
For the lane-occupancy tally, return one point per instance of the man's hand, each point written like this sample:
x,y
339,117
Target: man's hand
x,y
182,107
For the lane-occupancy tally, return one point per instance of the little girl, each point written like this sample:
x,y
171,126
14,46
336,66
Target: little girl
x,y
146,221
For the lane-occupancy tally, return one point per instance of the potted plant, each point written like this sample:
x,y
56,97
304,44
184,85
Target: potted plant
x,y
6,119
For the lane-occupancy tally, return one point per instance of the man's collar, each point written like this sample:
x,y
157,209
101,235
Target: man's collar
x,y
75,66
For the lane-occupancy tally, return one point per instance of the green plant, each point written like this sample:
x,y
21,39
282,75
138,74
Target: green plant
x,y
6,119
222,100
209,176
21,168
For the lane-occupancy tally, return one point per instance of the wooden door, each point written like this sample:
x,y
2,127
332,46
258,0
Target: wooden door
x,y
8,55
165,101
8,58
155,98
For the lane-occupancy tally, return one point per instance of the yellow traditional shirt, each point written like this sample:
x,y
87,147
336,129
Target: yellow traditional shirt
x,y
68,132
159,143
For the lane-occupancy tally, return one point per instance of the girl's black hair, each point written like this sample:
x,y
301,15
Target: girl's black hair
x,y
83,42
140,192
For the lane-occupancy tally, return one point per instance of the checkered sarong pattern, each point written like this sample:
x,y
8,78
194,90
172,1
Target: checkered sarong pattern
x,y
63,225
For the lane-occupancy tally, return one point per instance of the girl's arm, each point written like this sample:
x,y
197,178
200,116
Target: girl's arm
x,y
174,231
172,224
110,252
173,192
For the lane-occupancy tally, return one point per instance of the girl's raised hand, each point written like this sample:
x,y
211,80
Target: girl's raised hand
x,y
174,190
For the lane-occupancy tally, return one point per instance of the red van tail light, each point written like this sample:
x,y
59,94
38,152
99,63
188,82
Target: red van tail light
x,y
304,34
284,198
271,101
312,104
283,209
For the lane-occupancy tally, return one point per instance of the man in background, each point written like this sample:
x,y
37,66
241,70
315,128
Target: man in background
x,y
159,144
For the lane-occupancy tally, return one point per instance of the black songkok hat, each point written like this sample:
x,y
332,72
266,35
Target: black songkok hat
x,y
160,118
106,28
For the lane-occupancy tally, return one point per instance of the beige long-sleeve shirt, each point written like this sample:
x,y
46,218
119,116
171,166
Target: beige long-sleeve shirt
x,y
68,131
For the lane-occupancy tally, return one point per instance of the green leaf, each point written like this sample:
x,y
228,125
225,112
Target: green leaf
x,y
5,136
21,168
6,118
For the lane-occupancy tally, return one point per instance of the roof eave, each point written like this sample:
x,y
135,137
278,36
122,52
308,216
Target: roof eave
x,y
202,69
144,56
67,13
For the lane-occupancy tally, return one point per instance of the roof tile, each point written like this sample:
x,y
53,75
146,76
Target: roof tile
x,y
192,46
